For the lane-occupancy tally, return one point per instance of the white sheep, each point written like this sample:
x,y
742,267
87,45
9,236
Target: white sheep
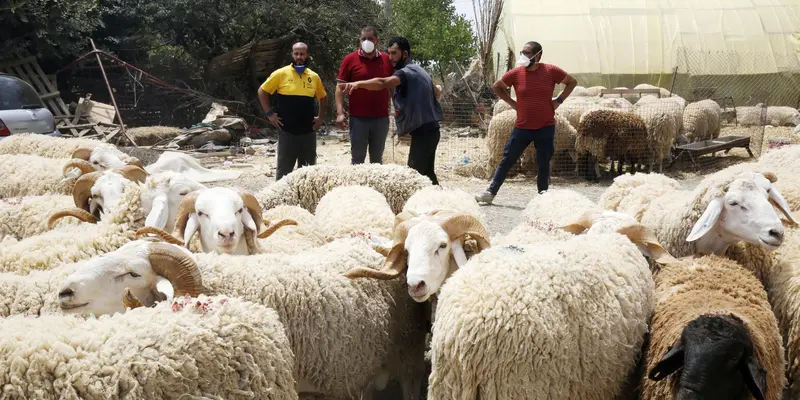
x,y
557,320
306,186
632,193
663,120
434,198
760,115
701,120
292,239
346,335
209,347
595,91
663,92
28,175
713,335
22,217
785,162
348,210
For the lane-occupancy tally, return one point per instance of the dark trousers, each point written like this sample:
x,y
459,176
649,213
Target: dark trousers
x,y
368,133
295,149
422,154
520,139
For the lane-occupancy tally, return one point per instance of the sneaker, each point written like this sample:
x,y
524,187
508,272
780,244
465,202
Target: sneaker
x,y
543,192
485,197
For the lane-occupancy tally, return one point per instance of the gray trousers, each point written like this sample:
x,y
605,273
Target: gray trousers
x,y
368,132
295,149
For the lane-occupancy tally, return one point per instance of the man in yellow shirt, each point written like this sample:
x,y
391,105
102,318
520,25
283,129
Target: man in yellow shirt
x,y
295,113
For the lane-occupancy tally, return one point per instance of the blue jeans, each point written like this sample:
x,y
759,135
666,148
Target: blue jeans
x,y
542,140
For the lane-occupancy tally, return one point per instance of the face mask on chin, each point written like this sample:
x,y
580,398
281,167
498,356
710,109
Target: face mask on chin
x,y
300,68
367,46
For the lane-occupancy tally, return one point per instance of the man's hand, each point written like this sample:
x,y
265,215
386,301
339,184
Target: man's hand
x,y
275,120
341,121
555,105
317,122
349,87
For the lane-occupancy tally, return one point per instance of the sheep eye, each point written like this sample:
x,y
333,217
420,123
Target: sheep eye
x,y
201,214
734,203
134,274
184,193
443,246
95,162
239,211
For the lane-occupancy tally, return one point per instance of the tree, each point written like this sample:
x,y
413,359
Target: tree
x,y
437,34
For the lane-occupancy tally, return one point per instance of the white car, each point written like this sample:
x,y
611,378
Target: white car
x,y
21,109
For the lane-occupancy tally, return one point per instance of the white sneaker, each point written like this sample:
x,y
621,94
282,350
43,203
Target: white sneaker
x,y
543,192
485,197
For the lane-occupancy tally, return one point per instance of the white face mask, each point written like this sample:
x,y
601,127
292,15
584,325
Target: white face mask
x,y
523,61
367,46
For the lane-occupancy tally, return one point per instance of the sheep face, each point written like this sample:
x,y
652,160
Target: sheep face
x,y
103,159
107,192
142,270
430,252
717,359
224,217
744,213
429,247
166,191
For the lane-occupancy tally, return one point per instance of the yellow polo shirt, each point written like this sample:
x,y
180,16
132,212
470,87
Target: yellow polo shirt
x,y
295,97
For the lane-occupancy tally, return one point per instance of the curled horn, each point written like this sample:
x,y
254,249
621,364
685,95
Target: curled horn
x,y
165,236
770,176
80,164
274,227
83,153
130,301
78,213
639,234
255,211
177,267
184,210
458,225
396,260
133,173
82,191
135,162
584,222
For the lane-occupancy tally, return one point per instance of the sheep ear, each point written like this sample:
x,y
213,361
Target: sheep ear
x,y
776,198
639,234
458,253
755,377
164,286
707,220
192,226
248,221
671,362
583,223
158,214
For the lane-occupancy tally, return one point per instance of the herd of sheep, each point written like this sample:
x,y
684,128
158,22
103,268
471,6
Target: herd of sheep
x,y
119,281
629,129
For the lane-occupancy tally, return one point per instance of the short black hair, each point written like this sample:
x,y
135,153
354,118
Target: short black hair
x,y
402,44
370,28
535,45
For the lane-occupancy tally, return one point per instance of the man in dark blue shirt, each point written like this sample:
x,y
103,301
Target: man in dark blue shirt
x,y
416,104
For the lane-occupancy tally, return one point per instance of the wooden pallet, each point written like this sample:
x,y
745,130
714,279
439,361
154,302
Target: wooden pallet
x,y
28,69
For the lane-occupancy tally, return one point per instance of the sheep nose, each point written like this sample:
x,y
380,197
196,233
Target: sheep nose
x,y
418,288
776,233
66,293
225,235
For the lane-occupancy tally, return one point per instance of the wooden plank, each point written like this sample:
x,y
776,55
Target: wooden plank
x,y
49,96
41,83
79,126
13,63
99,112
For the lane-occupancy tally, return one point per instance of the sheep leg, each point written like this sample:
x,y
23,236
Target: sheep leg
x,y
597,168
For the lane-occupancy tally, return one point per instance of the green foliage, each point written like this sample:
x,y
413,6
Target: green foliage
x,y
54,29
437,34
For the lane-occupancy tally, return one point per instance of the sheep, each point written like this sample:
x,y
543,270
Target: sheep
x,y
595,91
59,147
616,103
574,107
617,135
28,175
579,91
434,198
712,319
304,187
663,92
23,217
761,114
344,334
501,106
347,210
785,162
292,239
632,193
556,320
701,120
662,130
209,347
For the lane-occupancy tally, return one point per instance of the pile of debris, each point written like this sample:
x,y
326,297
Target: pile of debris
x,y
467,99
218,131
91,120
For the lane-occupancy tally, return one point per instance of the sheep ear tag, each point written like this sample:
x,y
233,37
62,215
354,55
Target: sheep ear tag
x,y
707,220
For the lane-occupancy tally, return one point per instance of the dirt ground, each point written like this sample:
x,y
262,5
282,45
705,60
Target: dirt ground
x,y
259,168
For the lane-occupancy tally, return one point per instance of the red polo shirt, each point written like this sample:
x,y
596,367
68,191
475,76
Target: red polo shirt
x,y
534,91
357,67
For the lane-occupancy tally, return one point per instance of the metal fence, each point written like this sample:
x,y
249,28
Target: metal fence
x,y
601,136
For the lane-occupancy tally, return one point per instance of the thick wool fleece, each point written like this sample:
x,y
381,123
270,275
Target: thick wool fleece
x,y
562,320
46,146
611,133
77,242
305,186
27,175
348,210
230,349
785,163
23,217
438,198
341,330
292,239
631,194
712,285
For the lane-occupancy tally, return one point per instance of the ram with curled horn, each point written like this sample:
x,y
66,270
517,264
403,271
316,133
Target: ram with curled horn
x,y
228,221
428,248
90,200
139,274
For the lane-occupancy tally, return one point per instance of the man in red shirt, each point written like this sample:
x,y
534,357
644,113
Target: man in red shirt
x,y
369,110
533,82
